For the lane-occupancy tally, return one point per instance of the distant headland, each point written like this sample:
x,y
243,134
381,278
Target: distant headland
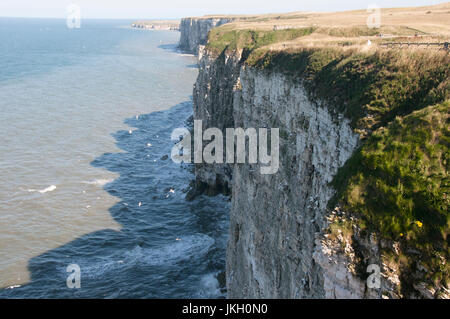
x,y
157,25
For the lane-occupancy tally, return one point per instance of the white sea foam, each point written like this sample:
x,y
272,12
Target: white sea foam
x,y
209,286
13,286
99,182
51,188
183,249
48,189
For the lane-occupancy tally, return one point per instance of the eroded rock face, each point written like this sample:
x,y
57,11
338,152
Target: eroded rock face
x,y
344,261
277,247
278,244
213,104
275,219
194,32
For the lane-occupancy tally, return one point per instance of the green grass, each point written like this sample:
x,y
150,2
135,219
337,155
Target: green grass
x,y
370,89
398,184
358,31
220,39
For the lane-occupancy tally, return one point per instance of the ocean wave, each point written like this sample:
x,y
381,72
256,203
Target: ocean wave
x,y
209,287
51,188
99,182
181,249
13,286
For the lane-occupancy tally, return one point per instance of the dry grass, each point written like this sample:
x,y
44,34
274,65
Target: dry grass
x,y
349,28
427,20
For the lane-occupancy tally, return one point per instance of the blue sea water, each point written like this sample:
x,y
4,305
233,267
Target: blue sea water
x,y
86,116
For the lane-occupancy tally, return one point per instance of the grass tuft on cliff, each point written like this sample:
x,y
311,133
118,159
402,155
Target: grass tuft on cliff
x,y
398,185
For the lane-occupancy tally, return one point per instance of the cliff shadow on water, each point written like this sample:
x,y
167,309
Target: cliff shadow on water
x,y
167,247
177,49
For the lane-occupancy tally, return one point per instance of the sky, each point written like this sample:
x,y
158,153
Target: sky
x,y
172,9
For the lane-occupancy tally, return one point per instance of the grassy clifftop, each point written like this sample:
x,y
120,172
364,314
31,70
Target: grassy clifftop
x,y
371,88
371,85
280,31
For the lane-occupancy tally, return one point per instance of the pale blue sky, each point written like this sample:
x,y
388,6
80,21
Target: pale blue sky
x,y
182,8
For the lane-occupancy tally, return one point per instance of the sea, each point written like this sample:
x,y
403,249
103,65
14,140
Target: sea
x,y
86,177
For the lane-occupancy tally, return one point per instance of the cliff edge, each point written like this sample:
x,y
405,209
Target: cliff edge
x,y
194,31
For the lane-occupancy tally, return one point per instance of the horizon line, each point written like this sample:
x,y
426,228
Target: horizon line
x,y
64,18
221,14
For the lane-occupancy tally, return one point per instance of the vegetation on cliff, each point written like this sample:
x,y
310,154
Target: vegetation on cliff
x,y
221,39
398,186
369,88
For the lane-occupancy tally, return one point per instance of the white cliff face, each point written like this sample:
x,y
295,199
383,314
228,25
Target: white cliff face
x,y
277,247
213,104
275,219
338,261
194,32
279,244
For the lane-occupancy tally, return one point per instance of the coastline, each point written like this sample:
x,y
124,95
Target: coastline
x,y
158,25
100,189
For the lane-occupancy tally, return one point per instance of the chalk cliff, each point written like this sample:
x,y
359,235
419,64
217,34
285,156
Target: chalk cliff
x,y
277,261
194,31
274,249
280,242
